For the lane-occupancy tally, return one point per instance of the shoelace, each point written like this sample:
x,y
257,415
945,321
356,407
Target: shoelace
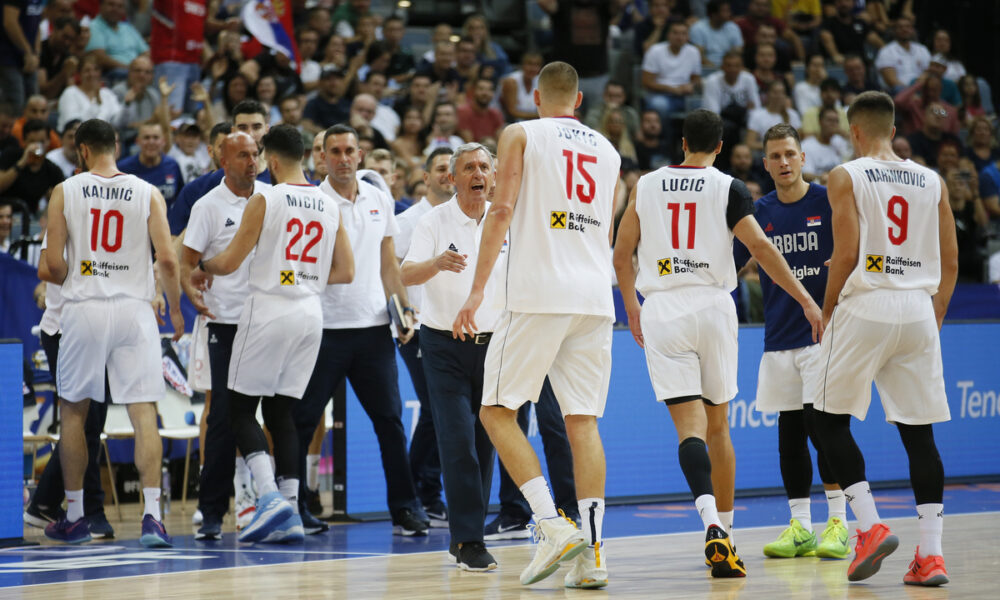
x,y
536,533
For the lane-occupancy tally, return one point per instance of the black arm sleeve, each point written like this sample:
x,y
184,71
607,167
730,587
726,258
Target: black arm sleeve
x,y
740,203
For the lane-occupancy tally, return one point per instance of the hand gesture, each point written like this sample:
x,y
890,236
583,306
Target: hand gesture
x,y
200,94
166,88
450,260
465,321
159,309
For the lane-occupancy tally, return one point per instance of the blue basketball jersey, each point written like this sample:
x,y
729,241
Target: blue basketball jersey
x,y
802,231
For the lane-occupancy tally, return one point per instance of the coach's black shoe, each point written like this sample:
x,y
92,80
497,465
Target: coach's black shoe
x,y
313,502
41,516
99,527
404,522
211,528
310,524
472,556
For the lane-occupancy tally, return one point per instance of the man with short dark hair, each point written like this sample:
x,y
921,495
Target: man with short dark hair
x,y
845,34
688,324
826,150
114,40
829,95
152,164
444,128
66,157
330,106
858,78
20,46
903,59
58,63
651,148
401,61
614,97
477,120
180,212
925,143
26,174
717,34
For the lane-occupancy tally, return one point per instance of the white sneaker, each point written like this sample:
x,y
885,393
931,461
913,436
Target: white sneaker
x,y
197,518
589,569
557,540
246,506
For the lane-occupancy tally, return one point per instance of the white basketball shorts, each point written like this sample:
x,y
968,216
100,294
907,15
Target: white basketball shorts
x,y
890,338
781,380
573,350
119,334
199,369
691,353
276,345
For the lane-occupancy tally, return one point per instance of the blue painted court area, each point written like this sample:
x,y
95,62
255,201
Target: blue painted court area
x,y
55,564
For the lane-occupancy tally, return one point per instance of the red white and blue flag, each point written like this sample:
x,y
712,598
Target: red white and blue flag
x,y
270,23
813,221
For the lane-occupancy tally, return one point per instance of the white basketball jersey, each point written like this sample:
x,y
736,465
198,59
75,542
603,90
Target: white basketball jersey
x,y
684,237
560,259
107,247
899,246
295,247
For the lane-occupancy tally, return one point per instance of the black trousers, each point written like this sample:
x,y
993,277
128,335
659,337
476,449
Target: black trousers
x,y
51,490
454,371
367,358
558,458
220,443
425,463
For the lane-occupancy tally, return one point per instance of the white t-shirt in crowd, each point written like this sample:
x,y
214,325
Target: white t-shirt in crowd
x,y
718,94
822,158
672,69
806,96
909,64
760,120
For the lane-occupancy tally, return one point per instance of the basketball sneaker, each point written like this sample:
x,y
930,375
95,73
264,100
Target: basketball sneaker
x,y
41,516
63,531
794,541
405,523
505,527
288,532
720,552
272,512
245,507
928,571
473,557
437,515
310,524
154,535
211,529
557,539
872,547
590,569
833,542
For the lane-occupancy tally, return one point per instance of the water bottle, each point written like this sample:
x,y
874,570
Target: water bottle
x,y
165,489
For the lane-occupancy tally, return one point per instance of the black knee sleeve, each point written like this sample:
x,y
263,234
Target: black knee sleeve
x,y
839,448
277,412
696,465
926,470
243,421
822,464
793,453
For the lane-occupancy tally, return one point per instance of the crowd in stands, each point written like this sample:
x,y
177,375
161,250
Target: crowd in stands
x,y
165,73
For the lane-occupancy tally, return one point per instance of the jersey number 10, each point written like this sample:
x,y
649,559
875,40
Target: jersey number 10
x,y
296,228
100,230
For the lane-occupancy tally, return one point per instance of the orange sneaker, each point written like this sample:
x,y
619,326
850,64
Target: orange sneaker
x,y
872,547
928,571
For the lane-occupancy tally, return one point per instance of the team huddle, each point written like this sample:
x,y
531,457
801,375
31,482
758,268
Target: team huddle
x,y
500,323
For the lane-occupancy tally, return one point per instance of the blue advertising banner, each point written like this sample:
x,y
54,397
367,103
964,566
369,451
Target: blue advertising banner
x,y
11,463
641,445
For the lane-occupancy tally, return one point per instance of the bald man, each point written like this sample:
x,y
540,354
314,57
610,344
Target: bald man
x,y
215,218
364,107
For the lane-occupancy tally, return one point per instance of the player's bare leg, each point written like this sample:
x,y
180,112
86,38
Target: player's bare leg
x,y
148,458
590,568
73,528
720,452
557,538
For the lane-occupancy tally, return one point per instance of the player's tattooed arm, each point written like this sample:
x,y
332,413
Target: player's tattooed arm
x,y
625,246
243,242
949,256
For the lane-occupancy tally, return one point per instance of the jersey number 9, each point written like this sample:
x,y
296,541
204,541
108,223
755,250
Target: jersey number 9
x,y
898,212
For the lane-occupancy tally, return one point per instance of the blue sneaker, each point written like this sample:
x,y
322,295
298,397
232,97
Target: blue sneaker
x,y
289,532
272,512
63,531
154,535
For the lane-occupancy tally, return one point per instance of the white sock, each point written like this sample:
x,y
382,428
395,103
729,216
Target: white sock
x,y
74,505
801,511
536,492
289,488
263,472
706,508
862,503
836,505
592,515
312,471
152,500
241,477
727,521
931,527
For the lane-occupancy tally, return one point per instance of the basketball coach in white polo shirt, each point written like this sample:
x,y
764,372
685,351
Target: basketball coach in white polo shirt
x,y
444,244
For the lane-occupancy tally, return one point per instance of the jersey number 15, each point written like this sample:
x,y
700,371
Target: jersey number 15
x,y
584,193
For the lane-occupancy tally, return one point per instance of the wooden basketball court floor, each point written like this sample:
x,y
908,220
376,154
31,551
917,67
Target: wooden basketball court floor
x,y
653,551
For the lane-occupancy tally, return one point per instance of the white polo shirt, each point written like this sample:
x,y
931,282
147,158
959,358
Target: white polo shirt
x,y
822,158
672,69
368,220
446,227
215,218
909,64
407,221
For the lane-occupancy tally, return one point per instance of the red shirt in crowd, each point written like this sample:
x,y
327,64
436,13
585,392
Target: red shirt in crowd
x,y
481,124
178,30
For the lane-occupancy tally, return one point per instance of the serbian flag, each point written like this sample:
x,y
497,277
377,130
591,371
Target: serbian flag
x,y
270,23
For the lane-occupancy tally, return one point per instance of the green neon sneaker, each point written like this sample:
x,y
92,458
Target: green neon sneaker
x,y
794,541
834,540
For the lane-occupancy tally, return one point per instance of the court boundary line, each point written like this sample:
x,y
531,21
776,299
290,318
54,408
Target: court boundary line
x,y
627,537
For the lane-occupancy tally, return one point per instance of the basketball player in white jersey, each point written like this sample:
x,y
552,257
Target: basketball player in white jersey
x,y
682,219
105,221
301,246
555,192
892,273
